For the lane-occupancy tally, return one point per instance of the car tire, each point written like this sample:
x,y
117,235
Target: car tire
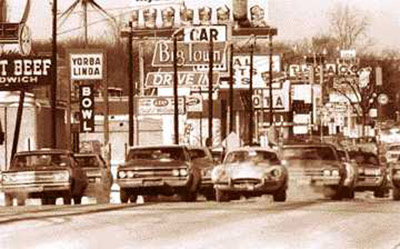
x,y
8,200
77,200
133,198
279,196
221,196
348,193
379,193
51,201
123,195
332,192
210,196
189,196
396,194
21,201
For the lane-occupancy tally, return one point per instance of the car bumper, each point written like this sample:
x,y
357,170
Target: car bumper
x,y
326,180
265,186
35,188
94,189
369,182
153,182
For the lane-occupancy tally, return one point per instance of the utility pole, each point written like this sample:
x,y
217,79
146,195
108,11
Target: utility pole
x,y
130,85
231,90
251,96
54,83
270,82
175,89
210,92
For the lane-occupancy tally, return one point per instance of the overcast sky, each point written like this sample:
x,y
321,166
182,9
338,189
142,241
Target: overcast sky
x,y
295,19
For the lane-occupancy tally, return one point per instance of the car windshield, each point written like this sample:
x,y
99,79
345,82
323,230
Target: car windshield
x,y
87,161
364,158
252,156
40,160
309,153
198,153
165,154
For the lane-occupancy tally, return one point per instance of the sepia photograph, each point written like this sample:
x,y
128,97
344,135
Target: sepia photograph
x,y
186,124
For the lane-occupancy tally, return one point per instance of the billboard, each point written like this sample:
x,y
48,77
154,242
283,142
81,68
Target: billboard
x,y
185,79
21,72
158,105
86,65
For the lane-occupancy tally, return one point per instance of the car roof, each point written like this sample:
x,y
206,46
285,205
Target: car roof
x,y
44,152
308,144
85,154
198,147
157,146
257,148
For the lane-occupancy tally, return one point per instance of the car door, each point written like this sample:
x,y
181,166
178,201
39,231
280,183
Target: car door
x,y
80,178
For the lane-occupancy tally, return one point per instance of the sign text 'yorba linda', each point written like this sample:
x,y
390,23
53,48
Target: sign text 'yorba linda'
x,y
24,72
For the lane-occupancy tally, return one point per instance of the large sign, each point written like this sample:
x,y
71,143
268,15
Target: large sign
x,y
241,70
185,79
194,103
86,65
204,33
188,54
280,98
17,72
86,114
158,105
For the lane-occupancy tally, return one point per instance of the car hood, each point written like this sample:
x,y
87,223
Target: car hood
x,y
312,164
152,163
246,170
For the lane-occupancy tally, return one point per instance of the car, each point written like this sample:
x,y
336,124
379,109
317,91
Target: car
x,y
158,170
99,176
315,164
351,168
203,159
395,178
392,152
372,173
46,174
250,171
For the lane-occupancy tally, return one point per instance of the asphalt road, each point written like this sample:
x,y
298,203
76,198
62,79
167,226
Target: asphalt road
x,y
307,222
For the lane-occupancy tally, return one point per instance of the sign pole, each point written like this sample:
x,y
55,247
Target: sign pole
x,y
210,92
175,89
270,81
54,83
18,122
130,85
251,96
231,91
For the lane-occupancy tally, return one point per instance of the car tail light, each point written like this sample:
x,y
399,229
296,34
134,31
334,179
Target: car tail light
x,y
122,174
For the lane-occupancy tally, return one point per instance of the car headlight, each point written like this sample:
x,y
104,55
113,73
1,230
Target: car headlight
x,y
335,172
130,174
183,172
64,176
122,174
276,173
7,178
175,172
327,172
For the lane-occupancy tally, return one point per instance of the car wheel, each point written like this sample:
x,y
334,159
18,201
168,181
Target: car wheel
x,y
396,194
189,196
123,195
51,201
348,193
77,200
379,193
279,196
20,201
332,192
221,196
103,198
133,198
8,200
210,196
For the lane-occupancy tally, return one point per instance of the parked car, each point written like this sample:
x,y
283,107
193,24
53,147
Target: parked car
x,y
45,174
99,176
154,170
250,171
203,159
317,165
372,173
395,178
392,152
351,168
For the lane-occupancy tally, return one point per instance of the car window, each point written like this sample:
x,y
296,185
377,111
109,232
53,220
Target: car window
x,y
252,156
157,154
40,160
199,153
364,158
394,148
309,153
88,161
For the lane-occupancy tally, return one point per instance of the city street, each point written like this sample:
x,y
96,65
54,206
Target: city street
x,y
309,222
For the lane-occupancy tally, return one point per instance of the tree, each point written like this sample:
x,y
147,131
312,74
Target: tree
x,y
348,26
